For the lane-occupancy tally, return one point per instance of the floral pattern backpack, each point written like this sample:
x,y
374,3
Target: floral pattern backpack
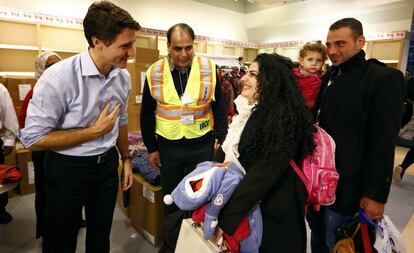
x,y
318,171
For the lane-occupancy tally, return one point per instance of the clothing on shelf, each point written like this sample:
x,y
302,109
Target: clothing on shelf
x,y
231,86
140,162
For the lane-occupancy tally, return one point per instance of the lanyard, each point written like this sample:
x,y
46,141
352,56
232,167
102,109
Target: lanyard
x,y
181,82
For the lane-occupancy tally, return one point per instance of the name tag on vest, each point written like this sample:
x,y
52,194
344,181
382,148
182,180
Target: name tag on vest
x,y
187,99
187,119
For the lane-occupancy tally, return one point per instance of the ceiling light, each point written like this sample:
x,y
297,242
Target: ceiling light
x,y
251,1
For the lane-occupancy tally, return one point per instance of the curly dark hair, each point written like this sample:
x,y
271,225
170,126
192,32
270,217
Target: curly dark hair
x,y
280,122
313,47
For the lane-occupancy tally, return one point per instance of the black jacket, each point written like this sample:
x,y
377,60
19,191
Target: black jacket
x,y
362,110
275,185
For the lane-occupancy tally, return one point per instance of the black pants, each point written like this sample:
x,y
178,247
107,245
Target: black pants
x,y
408,160
38,159
71,183
177,161
4,198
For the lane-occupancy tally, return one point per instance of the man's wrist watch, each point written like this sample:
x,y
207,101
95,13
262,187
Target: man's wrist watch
x,y
126,157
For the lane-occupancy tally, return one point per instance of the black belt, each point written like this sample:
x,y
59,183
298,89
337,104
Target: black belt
x,y
97,159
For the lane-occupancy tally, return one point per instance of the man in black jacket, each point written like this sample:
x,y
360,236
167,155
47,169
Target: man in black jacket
x,y
360,106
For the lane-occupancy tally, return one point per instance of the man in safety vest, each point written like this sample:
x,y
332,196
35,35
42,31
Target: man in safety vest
x,y
183,114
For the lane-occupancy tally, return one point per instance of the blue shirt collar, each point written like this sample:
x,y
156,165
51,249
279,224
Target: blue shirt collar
x,y
89,68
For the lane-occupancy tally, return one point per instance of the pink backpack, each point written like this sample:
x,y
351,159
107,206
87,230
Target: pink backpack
x,y
318,171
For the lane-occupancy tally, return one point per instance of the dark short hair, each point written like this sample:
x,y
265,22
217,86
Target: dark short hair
x,y
183,27
105,21
352,23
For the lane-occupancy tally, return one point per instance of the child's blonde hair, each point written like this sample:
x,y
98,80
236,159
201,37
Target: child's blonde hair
x,y
313,47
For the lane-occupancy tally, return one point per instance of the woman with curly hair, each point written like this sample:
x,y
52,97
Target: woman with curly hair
x,y
273,126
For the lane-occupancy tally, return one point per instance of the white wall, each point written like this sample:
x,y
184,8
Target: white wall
x,y
298,21
206,20
311,20
71,8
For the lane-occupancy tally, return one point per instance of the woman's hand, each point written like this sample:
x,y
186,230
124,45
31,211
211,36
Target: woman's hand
x,y
218,234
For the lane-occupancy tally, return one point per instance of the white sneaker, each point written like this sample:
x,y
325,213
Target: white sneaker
x,y
396,175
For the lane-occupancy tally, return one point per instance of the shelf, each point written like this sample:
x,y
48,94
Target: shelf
x,y
17,60
15,33
388,61
60,50
56,38
19,47
7,187
17,74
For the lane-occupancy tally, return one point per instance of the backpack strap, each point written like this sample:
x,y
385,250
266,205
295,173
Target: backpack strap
x,y
300,173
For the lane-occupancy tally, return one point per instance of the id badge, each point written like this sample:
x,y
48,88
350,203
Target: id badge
x,y
187,119
187,99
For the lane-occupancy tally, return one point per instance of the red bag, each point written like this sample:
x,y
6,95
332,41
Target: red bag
x,y
9,174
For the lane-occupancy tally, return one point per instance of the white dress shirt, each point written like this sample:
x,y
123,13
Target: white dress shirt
x,y
8,118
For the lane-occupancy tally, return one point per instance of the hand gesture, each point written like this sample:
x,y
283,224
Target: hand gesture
x,y
127,182
154,159
106,120
372,208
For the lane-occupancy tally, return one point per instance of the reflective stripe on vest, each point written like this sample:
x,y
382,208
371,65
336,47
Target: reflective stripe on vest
x,y
206,80
156,80
175,112
200,86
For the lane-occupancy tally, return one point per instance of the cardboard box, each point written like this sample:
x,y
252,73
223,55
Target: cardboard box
x,y
120,199
145,57
147,213
10,159
18,109
25,164
18,88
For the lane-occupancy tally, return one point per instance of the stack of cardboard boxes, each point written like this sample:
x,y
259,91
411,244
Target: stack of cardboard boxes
x,y
147,215
18,86
23,159
25,164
